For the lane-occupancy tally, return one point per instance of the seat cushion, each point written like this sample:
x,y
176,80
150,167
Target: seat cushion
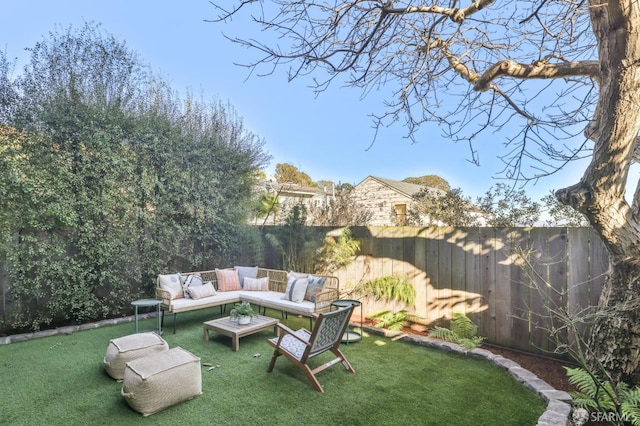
x,y
292,345
274,300
155,382
127,348
220,298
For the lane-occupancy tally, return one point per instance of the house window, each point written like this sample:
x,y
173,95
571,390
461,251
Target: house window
x,y
401,214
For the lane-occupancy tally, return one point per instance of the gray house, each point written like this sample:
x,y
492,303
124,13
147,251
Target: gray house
x,y
389,200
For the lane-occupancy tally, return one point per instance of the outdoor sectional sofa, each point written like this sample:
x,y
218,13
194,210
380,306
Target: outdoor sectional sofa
x,y
267,288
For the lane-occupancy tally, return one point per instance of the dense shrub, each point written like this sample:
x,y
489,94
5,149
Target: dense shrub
x,y
108,178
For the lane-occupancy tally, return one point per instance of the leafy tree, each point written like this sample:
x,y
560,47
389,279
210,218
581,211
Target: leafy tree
x,y
504,207
556,79
430,181
336,253
287,173
344,187
342,210
450,208
292,242
107,179
267,205
562,214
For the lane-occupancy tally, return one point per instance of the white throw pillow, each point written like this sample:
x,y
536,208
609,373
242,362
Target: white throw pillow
x,y
201,291
246,272
193,280
256,284
292,274
171,283
296,289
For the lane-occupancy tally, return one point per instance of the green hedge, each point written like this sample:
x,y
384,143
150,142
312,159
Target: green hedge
x,y
108,178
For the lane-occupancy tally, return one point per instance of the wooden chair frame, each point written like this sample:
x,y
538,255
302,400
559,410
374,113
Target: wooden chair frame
x,y
302,345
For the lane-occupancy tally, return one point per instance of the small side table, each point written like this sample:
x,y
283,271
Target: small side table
x,y
148,303
349,335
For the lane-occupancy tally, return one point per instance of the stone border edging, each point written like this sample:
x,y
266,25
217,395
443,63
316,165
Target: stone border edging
x,y
14,338
558,402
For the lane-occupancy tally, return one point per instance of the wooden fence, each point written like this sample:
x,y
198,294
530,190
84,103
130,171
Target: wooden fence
x,y
478,271
481,272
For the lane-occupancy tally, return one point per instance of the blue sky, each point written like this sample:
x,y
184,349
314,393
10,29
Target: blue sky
x,y
327,136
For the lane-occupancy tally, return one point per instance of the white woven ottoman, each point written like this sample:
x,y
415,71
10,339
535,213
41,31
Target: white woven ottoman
x,y
127,348
158,381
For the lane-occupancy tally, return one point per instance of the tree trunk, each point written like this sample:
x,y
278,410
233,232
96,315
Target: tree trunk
x,y
600,194
614,346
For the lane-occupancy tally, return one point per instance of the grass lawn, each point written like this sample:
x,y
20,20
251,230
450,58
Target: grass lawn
x,y
60,380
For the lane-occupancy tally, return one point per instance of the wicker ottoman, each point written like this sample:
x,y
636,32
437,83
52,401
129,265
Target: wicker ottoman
x,y
127,348
158,381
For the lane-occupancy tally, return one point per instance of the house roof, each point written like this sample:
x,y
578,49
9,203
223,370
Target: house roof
x,y
406,188
295,189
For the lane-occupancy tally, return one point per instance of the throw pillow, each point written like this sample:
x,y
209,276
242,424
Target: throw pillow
x,y
171,283
193,280
314,287
246,272
201,291
256,284
292,274
228,280
296,288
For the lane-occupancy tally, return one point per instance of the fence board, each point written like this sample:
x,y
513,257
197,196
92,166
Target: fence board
x,y
432,309
558,275
487,325
503,285
599,266
457,239
519,290
472,251
579,279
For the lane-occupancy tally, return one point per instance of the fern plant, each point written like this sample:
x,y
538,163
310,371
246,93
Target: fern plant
x,y
463,332
603,397
391,288
336,253
390,320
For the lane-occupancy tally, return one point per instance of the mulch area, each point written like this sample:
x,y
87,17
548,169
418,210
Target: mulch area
x,y
550,370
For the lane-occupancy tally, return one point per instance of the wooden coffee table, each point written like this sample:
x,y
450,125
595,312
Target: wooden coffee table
x,y
225,327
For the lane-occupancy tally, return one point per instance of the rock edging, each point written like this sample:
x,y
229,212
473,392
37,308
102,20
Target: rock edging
x,y
14,338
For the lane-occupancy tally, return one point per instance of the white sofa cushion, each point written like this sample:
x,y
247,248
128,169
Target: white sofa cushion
x,y
220,298
274,300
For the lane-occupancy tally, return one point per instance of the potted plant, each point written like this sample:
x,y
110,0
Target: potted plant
x,y
244,312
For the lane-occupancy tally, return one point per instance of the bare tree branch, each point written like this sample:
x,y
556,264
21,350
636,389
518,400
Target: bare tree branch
x,y
550,80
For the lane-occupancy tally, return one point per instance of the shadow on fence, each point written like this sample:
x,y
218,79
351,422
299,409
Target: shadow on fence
x,y
482,272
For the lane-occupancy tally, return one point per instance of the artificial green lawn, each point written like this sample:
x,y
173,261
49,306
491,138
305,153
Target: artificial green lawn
x,y
60,380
